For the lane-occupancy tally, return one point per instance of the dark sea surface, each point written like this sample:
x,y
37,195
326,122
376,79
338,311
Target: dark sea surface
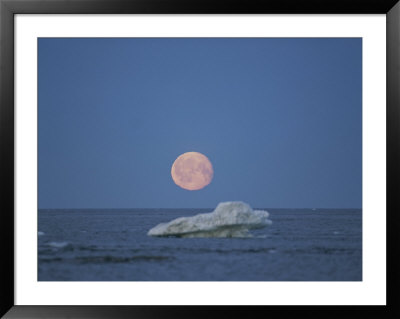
x,y
112,245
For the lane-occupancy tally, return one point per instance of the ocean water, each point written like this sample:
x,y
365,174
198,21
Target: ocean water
x,y
113,245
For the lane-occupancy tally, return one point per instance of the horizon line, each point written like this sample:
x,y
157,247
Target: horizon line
x,y
109,208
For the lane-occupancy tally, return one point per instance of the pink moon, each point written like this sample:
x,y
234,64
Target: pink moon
x,y
192,171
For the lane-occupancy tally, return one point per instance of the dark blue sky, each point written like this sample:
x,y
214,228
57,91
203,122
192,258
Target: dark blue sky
x,y
280,120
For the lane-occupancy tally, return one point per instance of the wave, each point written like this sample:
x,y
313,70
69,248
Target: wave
x,y
61,244
229,219
103,259
120,259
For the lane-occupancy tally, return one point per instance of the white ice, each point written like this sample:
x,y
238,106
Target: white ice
x,y
229,219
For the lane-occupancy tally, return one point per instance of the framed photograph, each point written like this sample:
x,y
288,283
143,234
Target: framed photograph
x,y
159,154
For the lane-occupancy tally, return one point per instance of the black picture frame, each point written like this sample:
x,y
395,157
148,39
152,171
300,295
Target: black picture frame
x,y
8,8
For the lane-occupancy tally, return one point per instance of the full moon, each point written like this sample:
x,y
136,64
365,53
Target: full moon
x,y
192,171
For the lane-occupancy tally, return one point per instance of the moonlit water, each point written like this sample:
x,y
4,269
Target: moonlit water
x,y
113,245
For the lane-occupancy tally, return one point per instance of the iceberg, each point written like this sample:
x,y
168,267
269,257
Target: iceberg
x,y
229,219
